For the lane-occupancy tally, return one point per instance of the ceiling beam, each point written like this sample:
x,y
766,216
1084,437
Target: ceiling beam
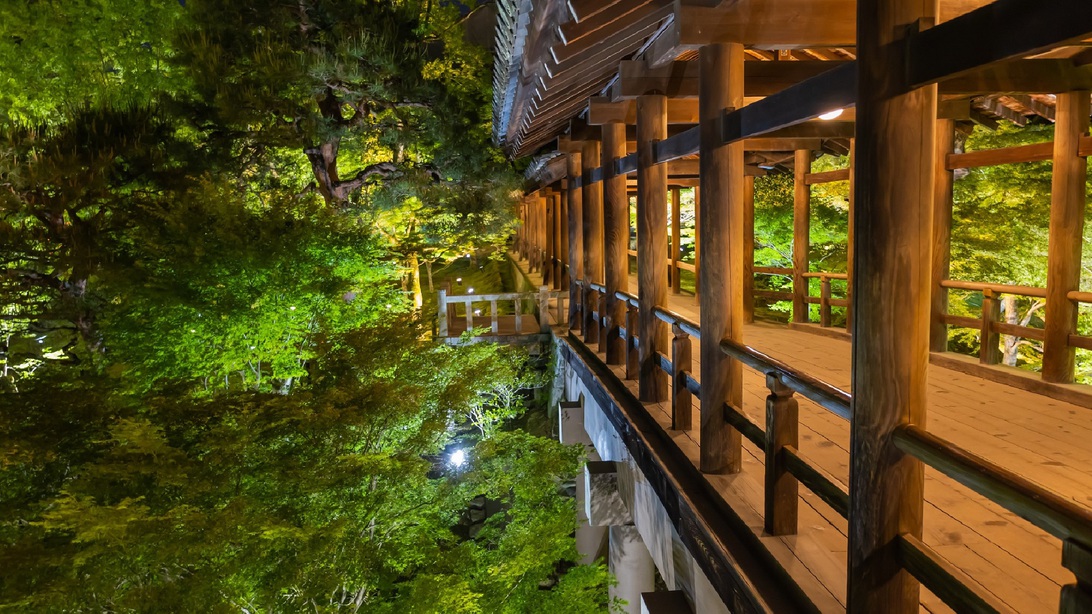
x,y
680,79
601,111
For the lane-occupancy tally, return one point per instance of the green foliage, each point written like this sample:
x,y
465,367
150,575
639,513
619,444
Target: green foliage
x,y
57,55
326,498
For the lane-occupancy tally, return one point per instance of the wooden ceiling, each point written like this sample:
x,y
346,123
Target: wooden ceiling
x,y
555,56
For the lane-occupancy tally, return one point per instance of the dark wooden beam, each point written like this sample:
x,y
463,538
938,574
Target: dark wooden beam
x,y
1002,30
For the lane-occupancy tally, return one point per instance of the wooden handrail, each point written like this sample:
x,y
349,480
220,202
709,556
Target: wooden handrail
x,y
1080,297
772,270
673,318
825,395
1045,509
628,298
825,275
1030,291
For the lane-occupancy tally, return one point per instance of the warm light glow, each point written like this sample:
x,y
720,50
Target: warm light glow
x,y
457,458
458,280
835,114
470,290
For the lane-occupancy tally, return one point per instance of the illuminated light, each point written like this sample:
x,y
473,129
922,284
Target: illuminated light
x,y
458,280
470,290
835,114
477,312
457,458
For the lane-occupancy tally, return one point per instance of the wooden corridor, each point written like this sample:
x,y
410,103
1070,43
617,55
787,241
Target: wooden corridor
x,y
1043,439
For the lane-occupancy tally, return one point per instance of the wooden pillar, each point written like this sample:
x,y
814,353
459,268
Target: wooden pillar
x,y
533,207
676,237
652,245
892,247
749,249
615,240
562,231
593,235
697,245
549,215
850,227
1067,204
576,240
942,236
801,231
721,277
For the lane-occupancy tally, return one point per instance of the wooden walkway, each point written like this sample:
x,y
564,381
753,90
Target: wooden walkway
x,y
1045,440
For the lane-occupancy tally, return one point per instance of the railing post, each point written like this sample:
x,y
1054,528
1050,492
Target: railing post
x,y
518,306
494,325
633,361
824,302
989,353
681,364
544,309
591,320
1077,597
441,312
782,429
469,314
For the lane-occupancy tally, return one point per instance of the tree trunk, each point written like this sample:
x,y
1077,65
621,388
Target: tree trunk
x,y
415,281
428,269
1010,344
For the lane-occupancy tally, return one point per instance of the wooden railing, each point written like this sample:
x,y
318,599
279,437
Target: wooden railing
x,y
447,309
990,325
824,299
786,468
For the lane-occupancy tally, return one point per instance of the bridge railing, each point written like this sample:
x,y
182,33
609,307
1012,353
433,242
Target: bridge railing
x,y
448,309
786,467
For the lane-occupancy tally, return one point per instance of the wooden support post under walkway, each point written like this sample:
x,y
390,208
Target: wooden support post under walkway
x,y
615,242
891,303
1067,209
850,231
721,273
576,239
593,237
652,246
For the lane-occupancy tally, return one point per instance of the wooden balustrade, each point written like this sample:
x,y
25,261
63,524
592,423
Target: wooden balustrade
x,y
786,468
989,322
447,309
